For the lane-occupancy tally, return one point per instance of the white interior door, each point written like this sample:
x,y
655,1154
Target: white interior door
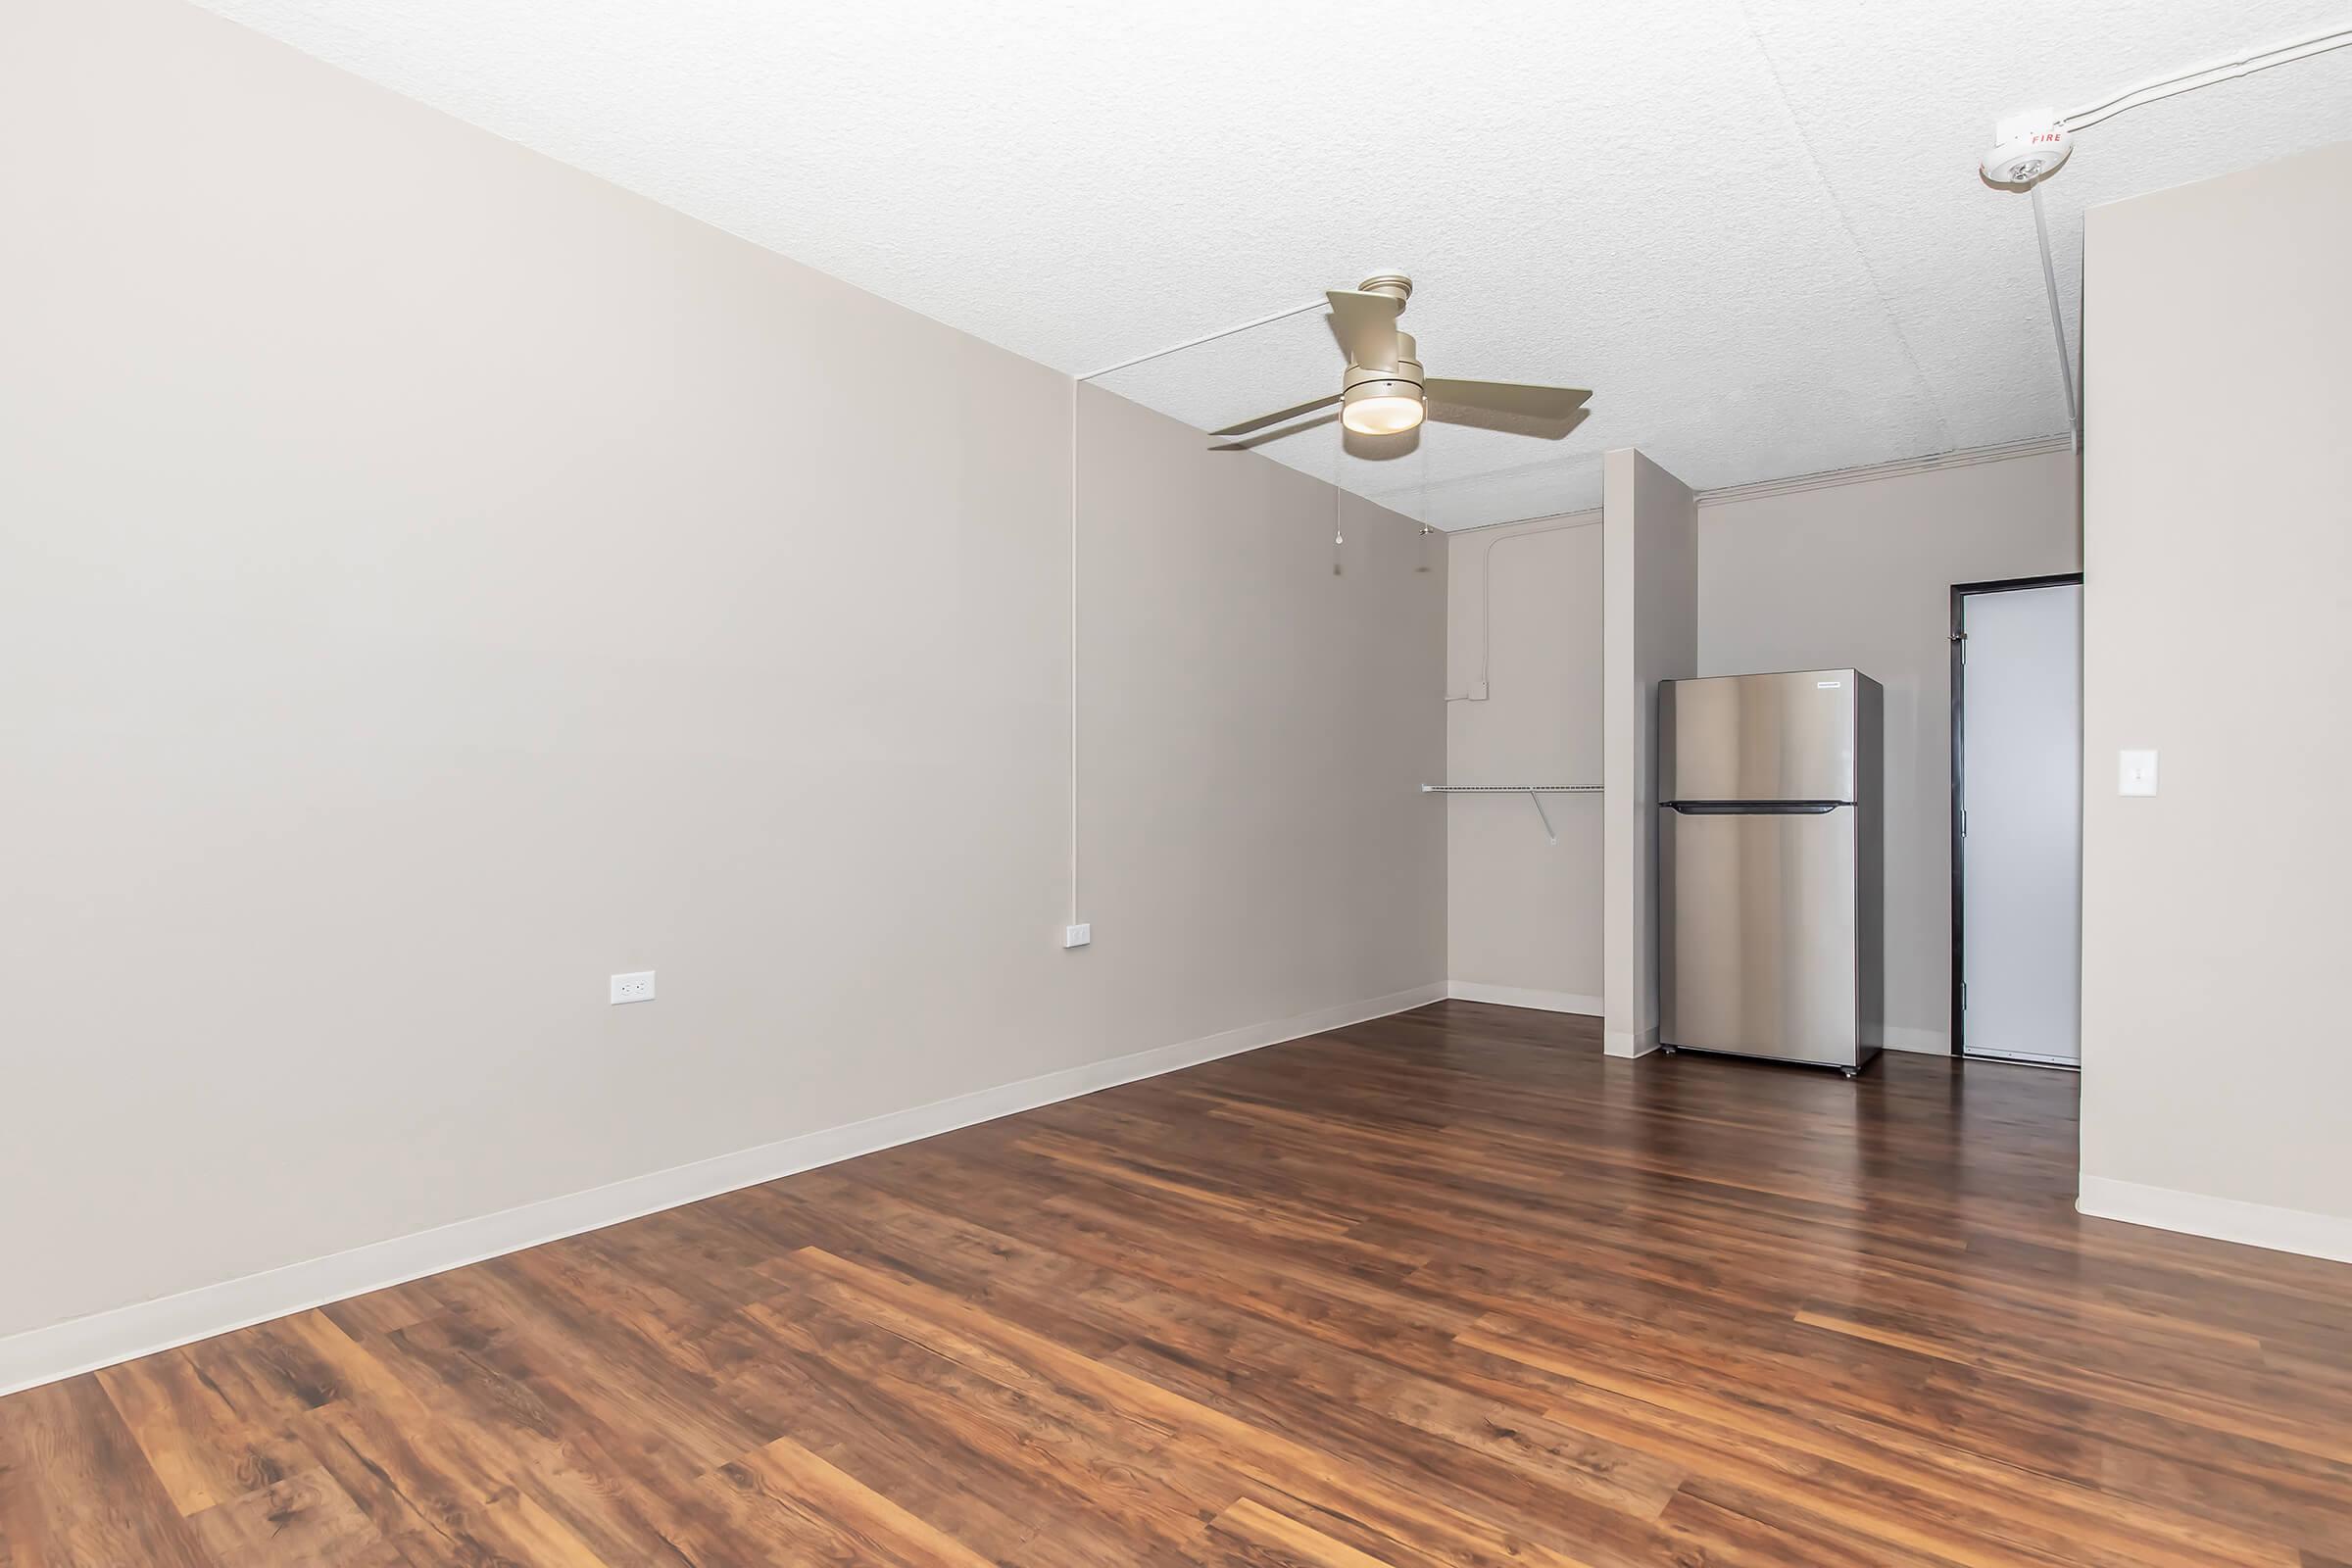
x,y
2021,844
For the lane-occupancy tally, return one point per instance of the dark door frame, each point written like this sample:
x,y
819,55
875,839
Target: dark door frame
x,y
1960,593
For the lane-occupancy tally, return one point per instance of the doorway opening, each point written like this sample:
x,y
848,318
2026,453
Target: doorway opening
x,y
2017,819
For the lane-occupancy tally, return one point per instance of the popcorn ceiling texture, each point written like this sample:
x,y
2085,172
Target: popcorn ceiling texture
x,y
1754,229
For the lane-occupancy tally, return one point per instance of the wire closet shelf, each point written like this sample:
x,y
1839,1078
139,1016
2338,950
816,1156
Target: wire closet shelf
x,y
1535,793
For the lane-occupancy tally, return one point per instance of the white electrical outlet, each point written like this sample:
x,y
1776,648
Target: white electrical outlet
x,y
2135,772
1077,936
638,987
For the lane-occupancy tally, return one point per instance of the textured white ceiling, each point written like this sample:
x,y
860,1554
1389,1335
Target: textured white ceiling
x,y
1754,226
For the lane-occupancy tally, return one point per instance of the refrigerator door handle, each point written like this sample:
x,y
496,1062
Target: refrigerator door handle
x,y
1755,807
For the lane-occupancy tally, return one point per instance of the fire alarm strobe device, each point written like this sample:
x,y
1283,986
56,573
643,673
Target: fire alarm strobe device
x,y
2029,146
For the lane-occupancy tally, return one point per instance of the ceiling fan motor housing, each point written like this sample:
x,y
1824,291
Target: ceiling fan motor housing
x,y
1385,392
1406,365
1375,398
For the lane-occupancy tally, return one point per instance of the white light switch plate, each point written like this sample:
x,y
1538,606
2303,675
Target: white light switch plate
x,y
1077,936
2135,773
638,987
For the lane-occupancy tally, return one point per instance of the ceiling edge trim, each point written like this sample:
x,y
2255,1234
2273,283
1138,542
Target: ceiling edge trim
x,y
1830,478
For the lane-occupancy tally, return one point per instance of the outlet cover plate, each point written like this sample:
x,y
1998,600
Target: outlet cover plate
x,y
2135,772
1077,936
638,987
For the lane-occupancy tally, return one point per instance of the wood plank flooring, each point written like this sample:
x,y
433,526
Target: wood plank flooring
x,y
1448,1288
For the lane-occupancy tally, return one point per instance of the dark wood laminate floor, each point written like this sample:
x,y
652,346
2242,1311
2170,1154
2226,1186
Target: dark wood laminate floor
x,y
1448,1288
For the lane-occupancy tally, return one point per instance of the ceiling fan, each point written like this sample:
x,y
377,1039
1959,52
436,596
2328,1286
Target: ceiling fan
x,y
1386,393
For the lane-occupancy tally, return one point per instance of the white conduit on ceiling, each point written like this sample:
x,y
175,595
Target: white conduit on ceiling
x,y
1267,320
2230,69
2244,63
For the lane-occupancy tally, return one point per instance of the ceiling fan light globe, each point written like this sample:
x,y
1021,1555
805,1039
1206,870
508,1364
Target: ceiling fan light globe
x,y
1383,408
1383,416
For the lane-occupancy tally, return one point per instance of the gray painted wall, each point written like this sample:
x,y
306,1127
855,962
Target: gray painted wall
x,y
2218,541
1523,916
1862,574
1857,573
432,579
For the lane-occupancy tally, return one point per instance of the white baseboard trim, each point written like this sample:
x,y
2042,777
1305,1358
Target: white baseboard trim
x,y
1926,1042
1625,1043
1521,997
2224,1219
103,1339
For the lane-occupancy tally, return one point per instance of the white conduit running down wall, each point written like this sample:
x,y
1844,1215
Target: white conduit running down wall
x,y
1076,382
1486,589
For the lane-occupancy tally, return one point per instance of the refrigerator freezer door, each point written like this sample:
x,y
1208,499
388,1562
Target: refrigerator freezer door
x,y
1762,950
1789,737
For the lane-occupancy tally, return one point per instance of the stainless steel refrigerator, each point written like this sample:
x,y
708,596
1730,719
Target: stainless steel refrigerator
x,y
1769,866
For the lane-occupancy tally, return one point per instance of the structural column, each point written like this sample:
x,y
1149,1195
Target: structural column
x,y
1649,529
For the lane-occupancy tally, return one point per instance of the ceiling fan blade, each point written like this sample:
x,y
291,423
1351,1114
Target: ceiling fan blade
x,y
1365,325
1508,423
1252,442
1264,420
1508,397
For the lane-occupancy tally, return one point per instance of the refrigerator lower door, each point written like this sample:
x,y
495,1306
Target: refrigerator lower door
x,y
1761,937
